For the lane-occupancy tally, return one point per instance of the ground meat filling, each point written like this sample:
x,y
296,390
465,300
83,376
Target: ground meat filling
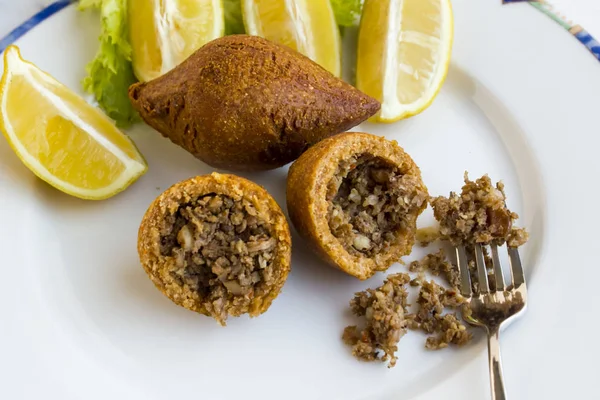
x,y
371,203
478,215
384,309
436,264
222,250
444,328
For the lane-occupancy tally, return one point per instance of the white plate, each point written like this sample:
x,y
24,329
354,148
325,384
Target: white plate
x,y
79,319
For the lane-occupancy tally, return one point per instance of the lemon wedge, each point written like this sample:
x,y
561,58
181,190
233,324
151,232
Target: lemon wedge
x,y
404,49
163,33
307,26
61,138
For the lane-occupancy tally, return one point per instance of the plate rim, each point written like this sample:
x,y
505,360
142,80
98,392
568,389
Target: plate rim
x,y
425,396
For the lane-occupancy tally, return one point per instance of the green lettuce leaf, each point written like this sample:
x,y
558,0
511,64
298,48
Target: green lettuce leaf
x,y
234,21
347,12
110,74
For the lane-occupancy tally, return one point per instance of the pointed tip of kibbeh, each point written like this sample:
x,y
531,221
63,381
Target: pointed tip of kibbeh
x,y
244,103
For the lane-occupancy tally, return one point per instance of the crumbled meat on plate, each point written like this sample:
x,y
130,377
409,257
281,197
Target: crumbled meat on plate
x,y
444,328
478,215
384,309
437,264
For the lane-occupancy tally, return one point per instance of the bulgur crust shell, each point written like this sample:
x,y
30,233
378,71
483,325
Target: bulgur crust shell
x,y
307,183
149,237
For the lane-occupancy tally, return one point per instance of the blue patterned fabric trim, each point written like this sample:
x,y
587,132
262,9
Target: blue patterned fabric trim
x,y
32,22
581,34
588,41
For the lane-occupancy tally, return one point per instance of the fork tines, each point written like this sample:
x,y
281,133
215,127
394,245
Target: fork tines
x,y
481,276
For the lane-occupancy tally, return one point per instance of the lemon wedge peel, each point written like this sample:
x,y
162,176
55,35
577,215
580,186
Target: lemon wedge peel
x,y
392,110
298,15
14,65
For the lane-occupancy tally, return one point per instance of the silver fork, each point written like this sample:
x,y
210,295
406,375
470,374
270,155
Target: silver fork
x,y
491,309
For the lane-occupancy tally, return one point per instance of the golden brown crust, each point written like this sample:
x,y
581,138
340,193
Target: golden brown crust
x,y
307,184
169,202
245,103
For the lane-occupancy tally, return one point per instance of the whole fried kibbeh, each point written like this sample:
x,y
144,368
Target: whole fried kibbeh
x,y
244,103
216,244
355,197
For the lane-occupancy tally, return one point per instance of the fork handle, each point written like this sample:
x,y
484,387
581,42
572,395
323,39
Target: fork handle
x,y
496,379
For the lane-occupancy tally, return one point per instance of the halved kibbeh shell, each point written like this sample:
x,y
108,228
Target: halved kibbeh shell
x,y
216,244
355,198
